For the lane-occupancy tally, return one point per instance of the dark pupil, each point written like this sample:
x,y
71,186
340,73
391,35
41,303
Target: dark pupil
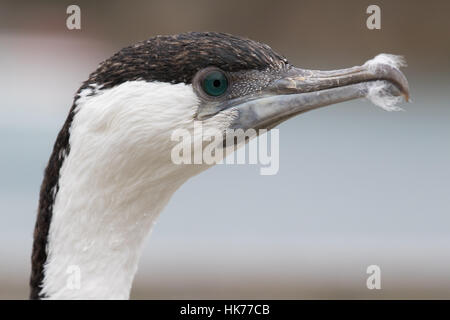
x,y
215,83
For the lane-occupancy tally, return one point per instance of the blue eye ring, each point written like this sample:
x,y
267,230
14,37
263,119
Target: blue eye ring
x,y
215,83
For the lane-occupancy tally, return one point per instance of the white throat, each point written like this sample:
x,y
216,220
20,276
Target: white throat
x,y
114,182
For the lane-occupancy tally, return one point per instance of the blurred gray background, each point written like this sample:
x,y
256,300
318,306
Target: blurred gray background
x,y
356,186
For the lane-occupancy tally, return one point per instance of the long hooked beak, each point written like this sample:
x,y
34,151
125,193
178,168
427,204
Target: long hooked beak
x,y
300,90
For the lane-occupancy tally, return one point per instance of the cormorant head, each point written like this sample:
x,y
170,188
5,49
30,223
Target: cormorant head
x,y
154,87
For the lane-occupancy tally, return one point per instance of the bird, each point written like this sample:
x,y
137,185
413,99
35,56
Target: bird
x,y
110,173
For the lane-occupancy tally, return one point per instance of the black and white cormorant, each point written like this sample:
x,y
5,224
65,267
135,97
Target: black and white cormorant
x,y
110,173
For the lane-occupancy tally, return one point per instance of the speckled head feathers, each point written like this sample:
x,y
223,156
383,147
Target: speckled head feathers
x,y
179,57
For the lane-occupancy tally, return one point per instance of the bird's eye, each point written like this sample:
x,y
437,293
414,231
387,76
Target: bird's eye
x,y
215,83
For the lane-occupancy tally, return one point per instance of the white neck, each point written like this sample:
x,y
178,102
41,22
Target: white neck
x,y
113,184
